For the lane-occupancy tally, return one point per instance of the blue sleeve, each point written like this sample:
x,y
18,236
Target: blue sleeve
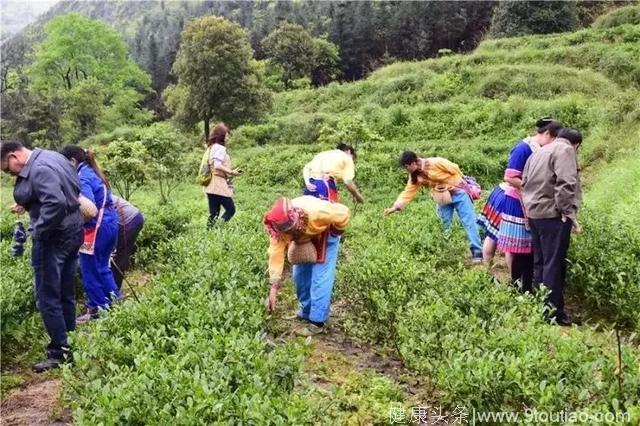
x,y
86,188
517,160
92,187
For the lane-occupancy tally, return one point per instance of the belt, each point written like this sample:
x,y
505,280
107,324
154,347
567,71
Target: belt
x,y
323,177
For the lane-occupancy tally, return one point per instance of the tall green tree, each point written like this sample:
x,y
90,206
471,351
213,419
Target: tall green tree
x,y
326,65
299,55
77,48
86,64
217,76
291,47
516,18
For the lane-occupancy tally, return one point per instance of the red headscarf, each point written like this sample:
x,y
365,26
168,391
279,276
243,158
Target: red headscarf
x,y
282,218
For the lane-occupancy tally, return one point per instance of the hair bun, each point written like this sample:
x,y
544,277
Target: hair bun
x,y
543,121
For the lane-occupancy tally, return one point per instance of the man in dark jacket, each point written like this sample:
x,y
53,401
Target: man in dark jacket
x,y
551,194
47,187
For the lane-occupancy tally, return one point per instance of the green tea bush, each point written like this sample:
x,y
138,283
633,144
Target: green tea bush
x,y
620,64
20,321
605,269
620,16
259,134
482,344
385,263
161,224
486,347
301,128
7,224
193,351
281,167
540,81
589,35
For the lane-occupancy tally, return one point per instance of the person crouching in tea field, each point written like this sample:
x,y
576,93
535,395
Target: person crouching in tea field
x,y
310,228
449,190
323,172
130,223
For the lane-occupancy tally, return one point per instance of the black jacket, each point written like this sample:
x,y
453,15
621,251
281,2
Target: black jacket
x,y
48,188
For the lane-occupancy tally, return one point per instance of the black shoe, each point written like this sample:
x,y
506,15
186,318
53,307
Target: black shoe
x,y
564,322
48,364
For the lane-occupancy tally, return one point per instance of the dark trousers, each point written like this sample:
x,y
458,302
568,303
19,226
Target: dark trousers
x,y
126,247
522,271
550,247
55,263
217,201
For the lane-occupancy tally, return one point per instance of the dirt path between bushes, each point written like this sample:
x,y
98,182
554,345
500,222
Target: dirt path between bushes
x,y
334,357
36,403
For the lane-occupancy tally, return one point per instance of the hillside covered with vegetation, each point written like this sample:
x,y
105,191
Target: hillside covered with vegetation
x,y
335,41
200,348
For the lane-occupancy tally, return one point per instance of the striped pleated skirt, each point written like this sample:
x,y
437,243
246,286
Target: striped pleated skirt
x,y
513,236
490,217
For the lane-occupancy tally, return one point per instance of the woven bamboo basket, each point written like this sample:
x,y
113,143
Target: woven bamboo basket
x,y
301,252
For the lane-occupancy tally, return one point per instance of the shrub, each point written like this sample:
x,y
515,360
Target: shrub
x,y
20,321
620,16
165,146
605,269
126,165
250,135
486,348
193,349
161,224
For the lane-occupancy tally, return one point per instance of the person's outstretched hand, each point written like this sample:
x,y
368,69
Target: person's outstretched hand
x,y
272,298
389,211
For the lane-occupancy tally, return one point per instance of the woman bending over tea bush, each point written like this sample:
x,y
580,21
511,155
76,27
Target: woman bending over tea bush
x,y
311,227
322,173
100,233
449,189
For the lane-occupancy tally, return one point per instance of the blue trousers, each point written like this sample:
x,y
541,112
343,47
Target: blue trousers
x,y
55,263
99,284
464,206
314,284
